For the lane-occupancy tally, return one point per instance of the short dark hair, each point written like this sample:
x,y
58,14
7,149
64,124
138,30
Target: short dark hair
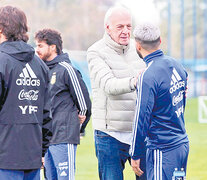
x,y
13,23
50,36
149,45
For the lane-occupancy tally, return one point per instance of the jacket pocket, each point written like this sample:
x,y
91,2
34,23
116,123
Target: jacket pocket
x,y
73,128
59,127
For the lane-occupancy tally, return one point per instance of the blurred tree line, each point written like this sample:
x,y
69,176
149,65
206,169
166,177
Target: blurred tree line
x,y
189,46
81,21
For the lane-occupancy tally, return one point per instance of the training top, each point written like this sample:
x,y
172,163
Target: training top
x,y
24,128
69,97
161,99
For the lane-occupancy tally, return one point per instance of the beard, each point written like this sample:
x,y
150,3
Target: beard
x,y
45,56
139,54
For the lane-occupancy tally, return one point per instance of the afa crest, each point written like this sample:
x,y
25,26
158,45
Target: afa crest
x,y
53,78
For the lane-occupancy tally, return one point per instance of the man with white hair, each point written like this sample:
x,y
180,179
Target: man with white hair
x,y
113,66
159,116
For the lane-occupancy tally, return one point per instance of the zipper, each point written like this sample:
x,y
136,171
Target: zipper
x,y
106,113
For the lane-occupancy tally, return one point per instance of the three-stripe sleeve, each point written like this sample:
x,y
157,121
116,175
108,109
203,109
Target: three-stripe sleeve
x,y
77,87
139,84
145,102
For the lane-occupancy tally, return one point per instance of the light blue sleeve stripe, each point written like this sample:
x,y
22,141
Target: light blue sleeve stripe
x,y
71,161
136,118
137,112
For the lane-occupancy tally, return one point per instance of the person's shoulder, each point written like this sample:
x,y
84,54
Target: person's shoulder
x,y
7,60
98,45
4,56
4,59
68,70
66,67
170,61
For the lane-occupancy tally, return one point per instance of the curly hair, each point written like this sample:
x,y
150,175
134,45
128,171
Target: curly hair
x,y
50,36
13,24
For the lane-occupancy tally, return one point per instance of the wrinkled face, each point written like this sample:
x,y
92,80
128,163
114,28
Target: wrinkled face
x,y
119,27
44,50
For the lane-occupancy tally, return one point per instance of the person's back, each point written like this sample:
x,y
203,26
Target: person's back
x,y
159,116
24,80
168,79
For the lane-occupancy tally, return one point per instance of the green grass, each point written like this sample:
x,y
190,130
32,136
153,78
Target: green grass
x,y
197,165
87,169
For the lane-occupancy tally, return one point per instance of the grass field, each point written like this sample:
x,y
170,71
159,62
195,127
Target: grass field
x,y
87,169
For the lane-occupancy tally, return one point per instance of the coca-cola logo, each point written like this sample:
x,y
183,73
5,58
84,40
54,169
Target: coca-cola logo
x,y
30,95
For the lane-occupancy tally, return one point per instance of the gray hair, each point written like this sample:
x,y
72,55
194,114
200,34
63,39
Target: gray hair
x,y
147,32
148,35
111,10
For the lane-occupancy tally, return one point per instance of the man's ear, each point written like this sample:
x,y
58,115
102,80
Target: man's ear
x,y
138,46
107,28
53,47
2,37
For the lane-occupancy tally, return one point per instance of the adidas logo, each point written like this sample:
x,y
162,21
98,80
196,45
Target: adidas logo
x,y
63,173
27,77
175,77
176,82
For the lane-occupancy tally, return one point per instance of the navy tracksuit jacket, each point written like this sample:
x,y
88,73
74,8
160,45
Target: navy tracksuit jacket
x,y
23,89
161,100
69,97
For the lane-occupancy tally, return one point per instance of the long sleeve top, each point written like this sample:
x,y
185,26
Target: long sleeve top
x,y
159,115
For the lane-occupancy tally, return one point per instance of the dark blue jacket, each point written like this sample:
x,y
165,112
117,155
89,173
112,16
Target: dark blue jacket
x,y
160,105
69,97
23,86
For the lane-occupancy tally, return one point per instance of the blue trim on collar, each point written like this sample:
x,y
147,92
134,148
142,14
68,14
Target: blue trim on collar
x,y
155,54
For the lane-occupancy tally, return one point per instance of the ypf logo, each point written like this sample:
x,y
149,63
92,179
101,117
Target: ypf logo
x,y
27,77
28,109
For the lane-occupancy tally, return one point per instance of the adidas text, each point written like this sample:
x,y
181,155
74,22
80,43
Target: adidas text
x,y
177,86
28,82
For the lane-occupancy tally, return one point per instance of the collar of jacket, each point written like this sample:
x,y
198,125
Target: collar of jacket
x,y
120,49
59,58
153,55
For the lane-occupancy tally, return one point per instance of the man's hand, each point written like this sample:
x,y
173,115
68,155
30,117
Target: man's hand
x,y
82,118
136,78
136,167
